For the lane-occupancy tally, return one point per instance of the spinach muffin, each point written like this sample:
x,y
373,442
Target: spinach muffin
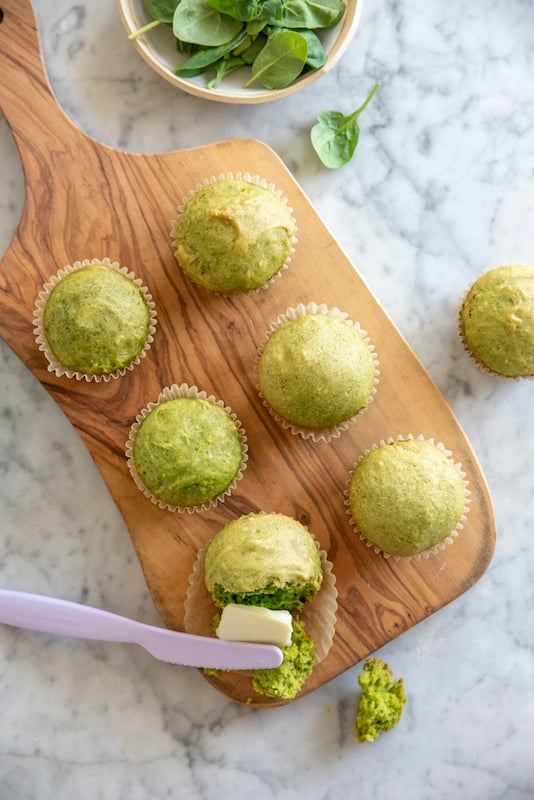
x,y
268,560
316,371
233,236
185,452
94,320
497,321
406,497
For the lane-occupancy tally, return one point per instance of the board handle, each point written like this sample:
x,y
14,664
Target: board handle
x,y
33,114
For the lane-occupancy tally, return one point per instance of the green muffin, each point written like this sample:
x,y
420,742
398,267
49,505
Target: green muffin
x,y
497,321
316,371
406,497
187,451
268,560
233,236
96,321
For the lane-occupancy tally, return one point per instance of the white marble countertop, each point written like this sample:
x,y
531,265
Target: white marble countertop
x,y
439,190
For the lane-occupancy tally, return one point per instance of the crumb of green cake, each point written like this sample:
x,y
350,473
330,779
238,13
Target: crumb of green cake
x,y
381,703
286,680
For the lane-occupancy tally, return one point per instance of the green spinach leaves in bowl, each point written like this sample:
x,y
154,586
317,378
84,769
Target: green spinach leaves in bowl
x,y
272,44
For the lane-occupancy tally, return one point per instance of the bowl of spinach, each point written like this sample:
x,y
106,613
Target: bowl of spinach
x,y
241,51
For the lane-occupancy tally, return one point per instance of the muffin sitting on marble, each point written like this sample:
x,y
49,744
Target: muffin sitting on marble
x,y
496,321
268,561
233,235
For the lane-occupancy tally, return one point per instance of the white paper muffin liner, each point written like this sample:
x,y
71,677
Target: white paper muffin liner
x,y
318,615
56,366
171,393
249,178
465,345
334,431
447,540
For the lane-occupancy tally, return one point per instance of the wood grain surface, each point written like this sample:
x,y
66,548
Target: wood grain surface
x,y
87,200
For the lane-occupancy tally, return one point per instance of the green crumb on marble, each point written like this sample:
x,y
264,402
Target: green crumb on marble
x,y
286,680
381,703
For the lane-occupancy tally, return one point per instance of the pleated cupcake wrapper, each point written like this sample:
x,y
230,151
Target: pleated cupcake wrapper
x,y
465,346
447,540
318,615
249,178
56,366
334,431
171,393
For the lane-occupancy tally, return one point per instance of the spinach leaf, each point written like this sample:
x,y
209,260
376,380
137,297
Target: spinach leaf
x,y
162,10
249,55
316,53
194,21
207,56
224,67
308,13
281,61
335,136
246,10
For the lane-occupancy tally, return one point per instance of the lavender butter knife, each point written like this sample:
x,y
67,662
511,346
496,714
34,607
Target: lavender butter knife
x,y
50,615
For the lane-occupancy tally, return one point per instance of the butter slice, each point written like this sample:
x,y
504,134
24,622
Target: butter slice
x,y
241,623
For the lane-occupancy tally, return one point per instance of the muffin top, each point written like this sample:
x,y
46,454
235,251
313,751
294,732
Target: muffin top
x,y
233,236
316,371
187,451
269,560
405,497
96,320
497,321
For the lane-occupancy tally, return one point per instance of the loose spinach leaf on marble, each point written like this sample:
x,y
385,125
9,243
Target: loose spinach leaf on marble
x,y
335,135
281,61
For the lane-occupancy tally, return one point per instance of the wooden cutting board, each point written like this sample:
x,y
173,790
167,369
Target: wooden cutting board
x,y
87,200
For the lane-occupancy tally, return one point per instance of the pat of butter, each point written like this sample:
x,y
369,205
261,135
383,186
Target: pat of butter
x,y
241,623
